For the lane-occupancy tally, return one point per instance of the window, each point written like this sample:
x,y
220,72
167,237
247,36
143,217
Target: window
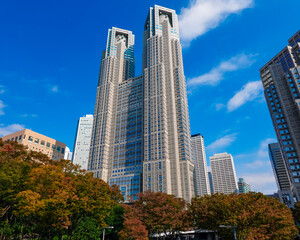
x,y
42,143
48,145
58,149
36,141
30,139
53,147
62,150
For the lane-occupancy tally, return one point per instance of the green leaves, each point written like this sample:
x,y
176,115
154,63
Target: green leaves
x,y
255,216
48,198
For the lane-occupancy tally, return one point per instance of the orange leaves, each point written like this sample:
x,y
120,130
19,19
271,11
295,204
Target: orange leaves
x,y
255,216
161,212
50,197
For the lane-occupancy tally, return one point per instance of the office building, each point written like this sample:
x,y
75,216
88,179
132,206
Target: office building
x,y
68,154
211,186
116,150
201,181
244,187
279,167
82,141
281,82
223,173
141,131
281,175
168,165
34,141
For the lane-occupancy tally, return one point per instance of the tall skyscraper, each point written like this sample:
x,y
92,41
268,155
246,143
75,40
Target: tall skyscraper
x,y
280,171
168,165
82,141
279,167
281,82
223,173
211,186
244,187
141,130
202,186
117,136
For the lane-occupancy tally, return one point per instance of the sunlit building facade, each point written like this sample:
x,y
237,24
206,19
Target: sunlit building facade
x,y
201,180
141,130
281,81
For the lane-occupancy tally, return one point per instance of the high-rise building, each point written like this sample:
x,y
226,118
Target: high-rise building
x,y
244,187
211,186
82,141
168,165
201,180
117,136
282,178
223,173
281,82
54,149
68,154
279,167
141,130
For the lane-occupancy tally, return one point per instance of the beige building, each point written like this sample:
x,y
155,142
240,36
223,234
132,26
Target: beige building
x,y
39,143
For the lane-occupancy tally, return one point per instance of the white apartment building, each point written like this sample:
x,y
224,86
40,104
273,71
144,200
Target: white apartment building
x,y
82,141
223,173
202,186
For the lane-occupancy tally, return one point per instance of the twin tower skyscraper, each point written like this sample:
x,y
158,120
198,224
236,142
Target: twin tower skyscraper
x,y
141,130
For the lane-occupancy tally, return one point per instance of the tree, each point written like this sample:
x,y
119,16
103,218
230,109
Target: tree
x,y
133,228
45,198
161,212
254,216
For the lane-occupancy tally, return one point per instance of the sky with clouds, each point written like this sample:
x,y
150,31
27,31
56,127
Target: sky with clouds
x,y
49,64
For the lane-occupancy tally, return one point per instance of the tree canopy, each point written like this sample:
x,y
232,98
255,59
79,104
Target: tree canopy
x,y
161,212
45,198
254,216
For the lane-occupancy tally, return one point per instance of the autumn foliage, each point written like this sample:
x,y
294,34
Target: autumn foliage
x,y
44,198
254,215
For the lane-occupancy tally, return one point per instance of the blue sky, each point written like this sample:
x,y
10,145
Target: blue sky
x,y
50,55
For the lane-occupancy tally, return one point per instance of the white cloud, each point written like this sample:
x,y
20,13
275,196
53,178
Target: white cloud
x,y
2,105
249,92
216,75
219,106
10,129
2,89
202,15
256,169
221,143
54,88
29,115
261,182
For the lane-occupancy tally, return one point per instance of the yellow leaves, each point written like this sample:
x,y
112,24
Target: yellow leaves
x,y
255,216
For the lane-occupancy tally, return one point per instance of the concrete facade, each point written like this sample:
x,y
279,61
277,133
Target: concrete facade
x,y
223,173
168,165
82,141
54,149
202,186
141,131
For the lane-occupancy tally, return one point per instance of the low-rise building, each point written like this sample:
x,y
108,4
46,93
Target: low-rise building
x,y
54,149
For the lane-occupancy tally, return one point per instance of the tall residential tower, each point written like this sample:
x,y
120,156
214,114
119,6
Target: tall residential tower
x,y
281,82
202,186
223,173
82,141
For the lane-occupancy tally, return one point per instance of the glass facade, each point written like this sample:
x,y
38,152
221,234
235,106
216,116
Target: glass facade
x,y
128,145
